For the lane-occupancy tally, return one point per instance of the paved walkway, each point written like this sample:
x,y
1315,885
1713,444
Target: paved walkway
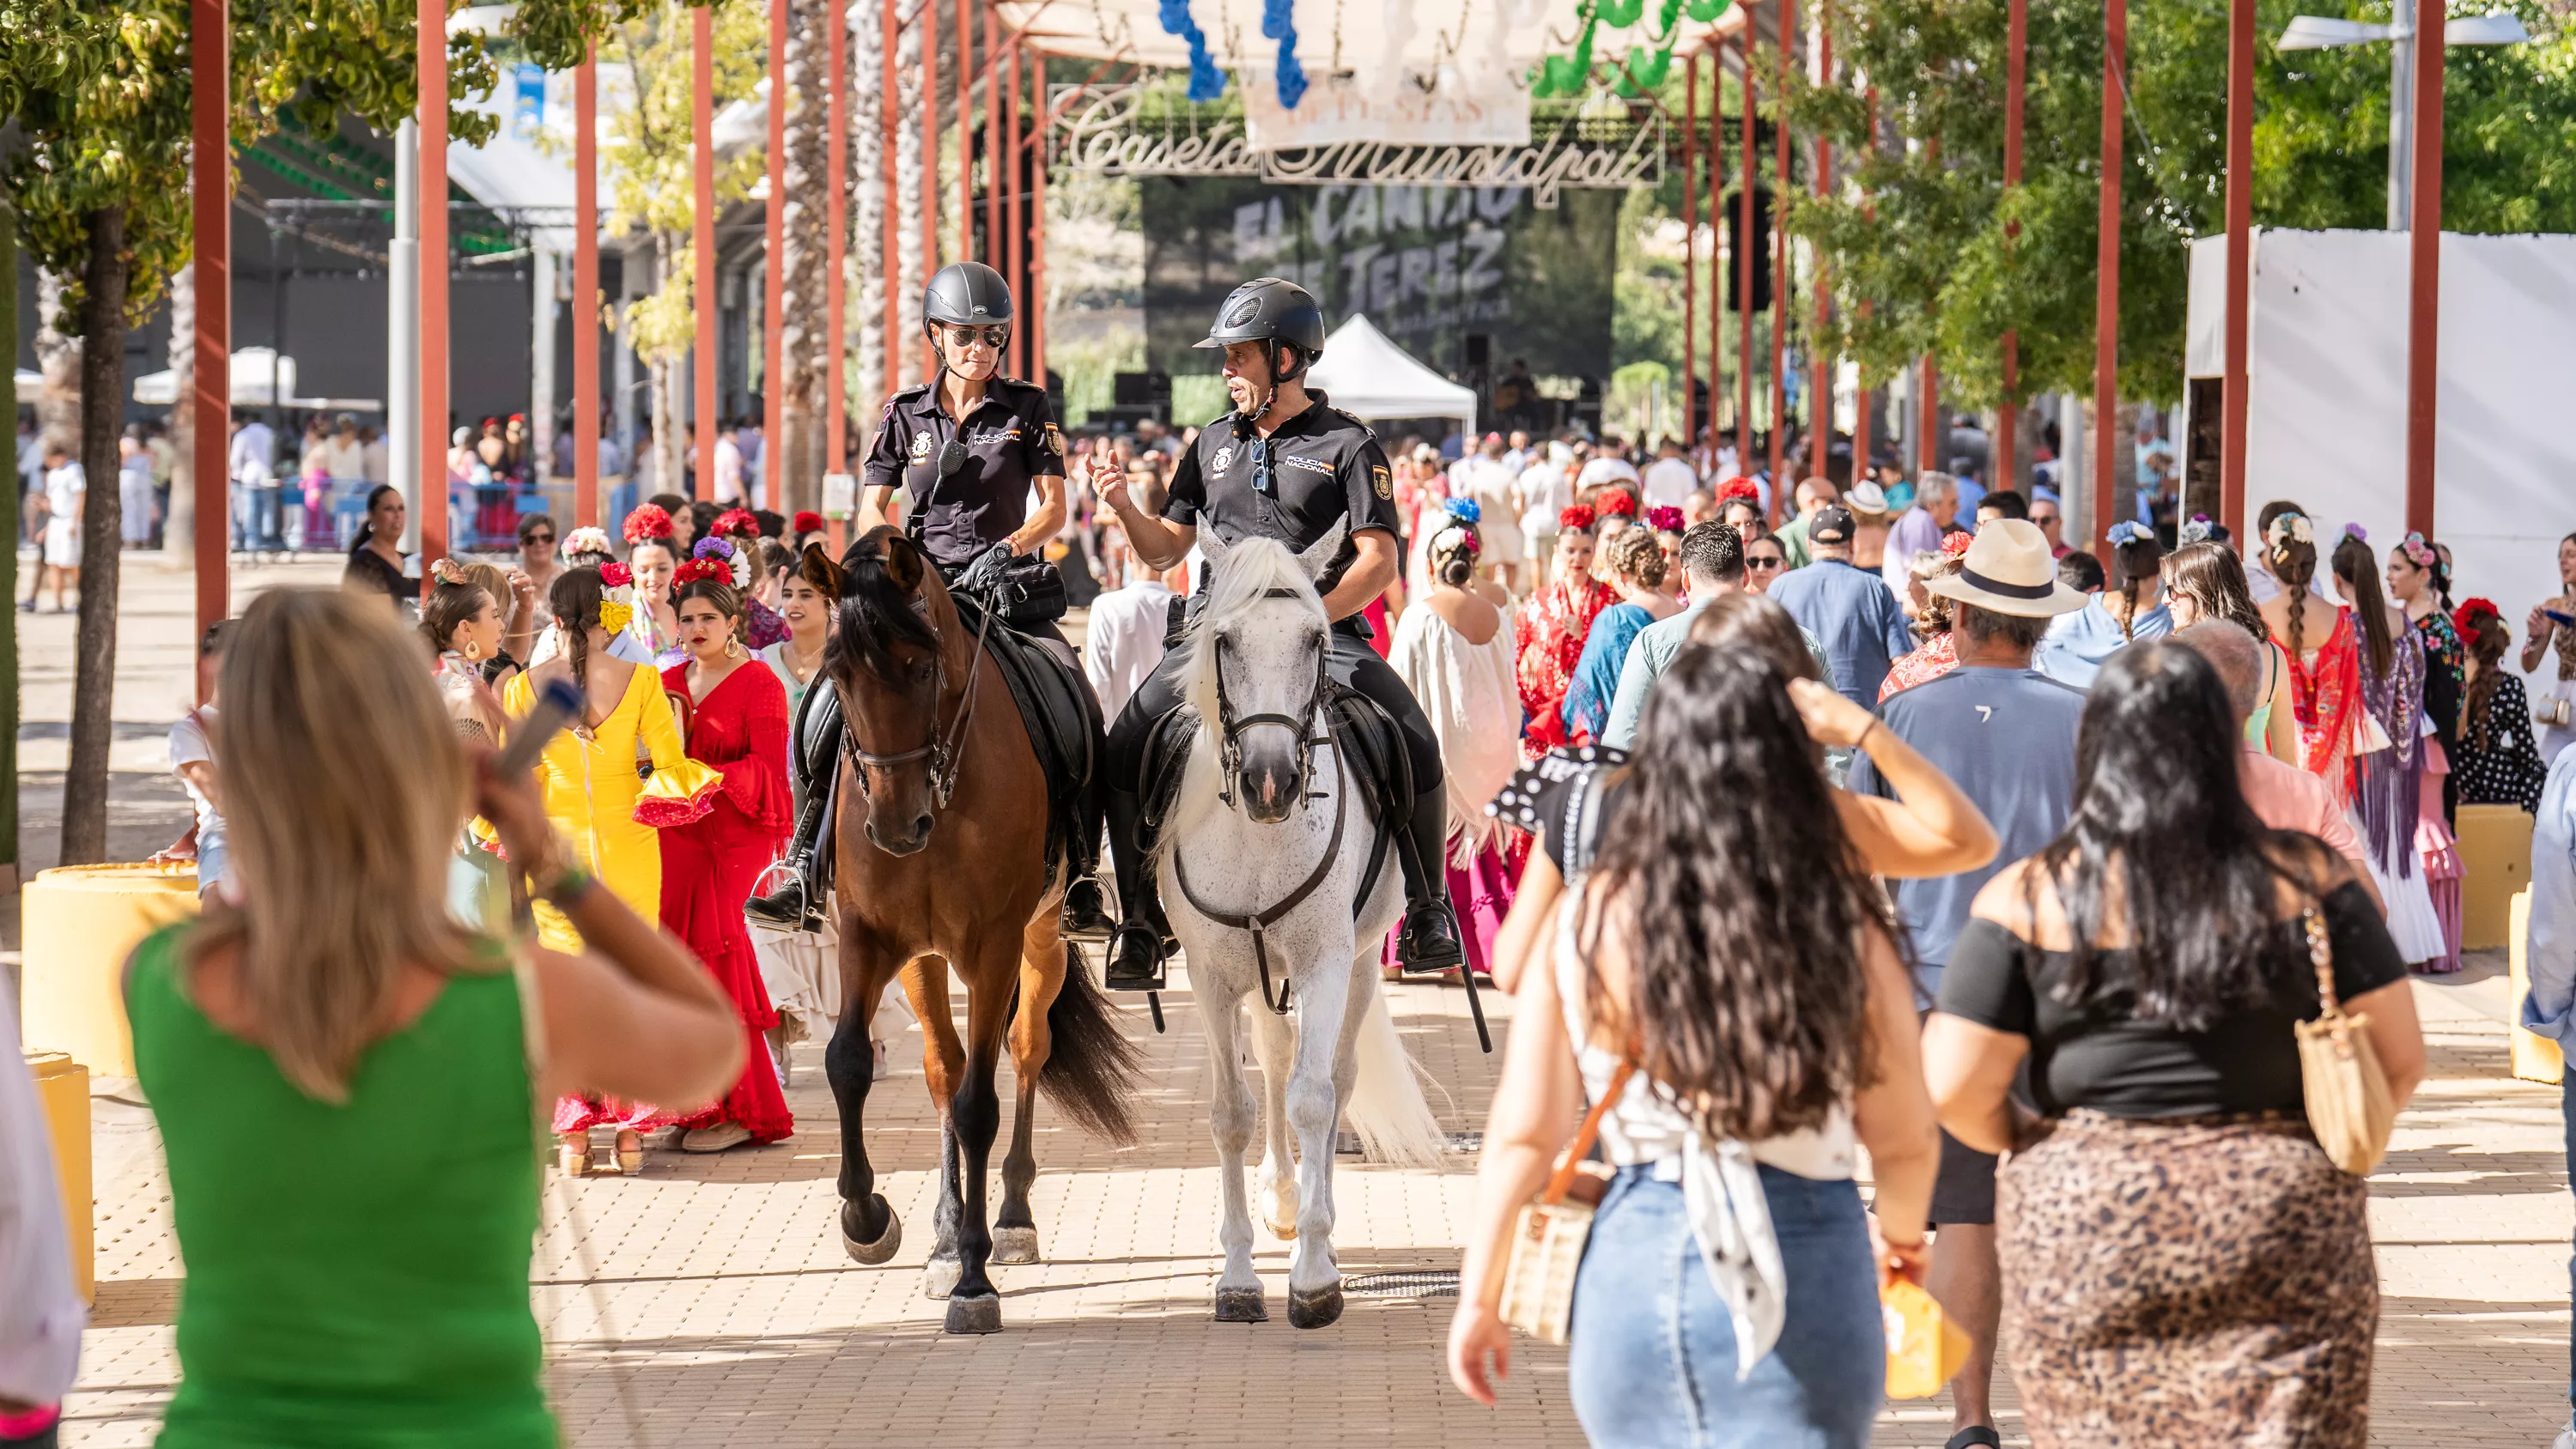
x,y
708,1299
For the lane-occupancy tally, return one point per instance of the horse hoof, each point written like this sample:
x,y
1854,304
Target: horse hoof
x,y
886,1243
1015,1245
981,1313
939,1277
1241,1305
1319,1309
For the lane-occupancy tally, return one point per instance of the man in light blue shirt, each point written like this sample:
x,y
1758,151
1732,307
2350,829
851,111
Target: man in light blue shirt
x,y
1849,609
2549,1008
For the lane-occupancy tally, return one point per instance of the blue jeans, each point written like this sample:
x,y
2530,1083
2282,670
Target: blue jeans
x,y
2567,1096
1654,1351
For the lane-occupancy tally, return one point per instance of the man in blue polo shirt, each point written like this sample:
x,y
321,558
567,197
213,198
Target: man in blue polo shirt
x,y
2005,734
1849,609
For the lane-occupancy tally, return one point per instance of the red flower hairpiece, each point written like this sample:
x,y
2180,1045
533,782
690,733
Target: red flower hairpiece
x,y
2466,618
1738,487
702,568
1576,519
650,523
1667,519
807,521
736,523
1617,504
1954,544
615,575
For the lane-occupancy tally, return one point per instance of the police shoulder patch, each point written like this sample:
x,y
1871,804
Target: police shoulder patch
x,y
1385,485
1054,440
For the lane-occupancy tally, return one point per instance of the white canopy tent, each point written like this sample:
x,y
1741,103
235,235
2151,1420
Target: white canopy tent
x,y
1370,377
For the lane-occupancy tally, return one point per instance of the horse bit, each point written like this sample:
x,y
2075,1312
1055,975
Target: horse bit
x,y
944,750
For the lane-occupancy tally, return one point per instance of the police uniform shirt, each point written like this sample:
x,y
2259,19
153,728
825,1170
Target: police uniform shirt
x,y
1010,439
1324,465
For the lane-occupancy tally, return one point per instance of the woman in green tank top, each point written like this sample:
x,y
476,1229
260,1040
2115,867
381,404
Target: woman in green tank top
x,y
347,1080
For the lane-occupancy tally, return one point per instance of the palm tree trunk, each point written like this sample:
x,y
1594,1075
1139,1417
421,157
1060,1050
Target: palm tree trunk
x,y
102,539
179,532
809,195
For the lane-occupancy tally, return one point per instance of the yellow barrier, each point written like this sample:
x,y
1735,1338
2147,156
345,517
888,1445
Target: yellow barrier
x,y
80,922
2535,1058
2495,853
62,1089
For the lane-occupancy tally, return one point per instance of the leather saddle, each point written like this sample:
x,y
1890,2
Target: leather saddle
x,y
1062,716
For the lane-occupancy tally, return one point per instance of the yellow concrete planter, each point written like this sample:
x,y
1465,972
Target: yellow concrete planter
x,y
62,1089
2535,1058
80,923
2495,854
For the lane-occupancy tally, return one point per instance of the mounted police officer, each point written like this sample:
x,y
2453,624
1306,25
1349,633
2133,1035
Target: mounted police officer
x,y
1283,465
969,445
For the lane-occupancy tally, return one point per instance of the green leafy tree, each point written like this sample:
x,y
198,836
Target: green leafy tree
x,y
102,93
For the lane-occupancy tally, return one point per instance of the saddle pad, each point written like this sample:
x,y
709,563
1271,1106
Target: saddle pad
x,y
1062,717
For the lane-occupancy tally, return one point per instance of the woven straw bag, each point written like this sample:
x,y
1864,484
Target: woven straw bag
x,y
2349,1108
1547,1241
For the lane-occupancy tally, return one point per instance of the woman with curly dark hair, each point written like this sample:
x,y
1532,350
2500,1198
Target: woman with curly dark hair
x,y
1746,1043
2167,1218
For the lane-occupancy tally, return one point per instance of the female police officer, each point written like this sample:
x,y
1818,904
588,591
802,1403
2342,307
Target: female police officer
x,y
1324,466
969,445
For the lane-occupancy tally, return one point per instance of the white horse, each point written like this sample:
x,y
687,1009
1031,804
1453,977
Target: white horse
x,y
1261,870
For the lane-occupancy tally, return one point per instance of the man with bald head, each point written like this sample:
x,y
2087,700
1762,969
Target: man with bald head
x,y
2283,795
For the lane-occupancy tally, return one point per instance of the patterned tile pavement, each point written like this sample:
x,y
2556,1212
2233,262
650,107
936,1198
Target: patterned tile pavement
x,y
707,1300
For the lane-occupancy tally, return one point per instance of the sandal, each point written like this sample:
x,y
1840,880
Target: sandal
x,y
1976,1436
630,1152
572,1153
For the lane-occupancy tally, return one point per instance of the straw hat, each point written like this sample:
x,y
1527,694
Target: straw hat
x,y
1866,500
2009,570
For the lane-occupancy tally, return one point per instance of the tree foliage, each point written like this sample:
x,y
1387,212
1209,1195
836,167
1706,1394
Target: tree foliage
x,y
652,146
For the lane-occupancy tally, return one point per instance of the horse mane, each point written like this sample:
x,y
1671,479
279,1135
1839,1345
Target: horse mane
x,y
882,577
1249,571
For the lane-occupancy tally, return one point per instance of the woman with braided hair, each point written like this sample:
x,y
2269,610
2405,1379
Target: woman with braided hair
x,y
2319,642
2130,609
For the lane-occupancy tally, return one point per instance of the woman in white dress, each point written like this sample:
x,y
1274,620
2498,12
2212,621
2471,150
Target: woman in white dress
x,y
1454,650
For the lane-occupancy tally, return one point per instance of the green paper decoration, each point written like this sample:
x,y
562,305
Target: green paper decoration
x,y
1647,66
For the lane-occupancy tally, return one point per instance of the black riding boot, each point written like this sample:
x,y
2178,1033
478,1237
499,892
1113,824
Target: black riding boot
x,y
1426,944
1136,949
798,905
1086,912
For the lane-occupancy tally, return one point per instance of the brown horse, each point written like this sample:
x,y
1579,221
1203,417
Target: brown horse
x,y
942,864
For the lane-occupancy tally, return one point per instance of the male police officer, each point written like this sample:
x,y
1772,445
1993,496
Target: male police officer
x,y
1286,466
969,445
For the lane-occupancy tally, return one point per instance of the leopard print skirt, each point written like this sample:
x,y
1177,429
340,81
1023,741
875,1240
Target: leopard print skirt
x,y
2205,1281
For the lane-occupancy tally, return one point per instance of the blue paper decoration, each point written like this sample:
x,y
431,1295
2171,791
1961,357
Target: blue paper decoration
x,y
1279,23
1206,81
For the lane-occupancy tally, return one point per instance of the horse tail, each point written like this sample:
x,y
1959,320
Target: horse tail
x,y
1386,1108
1091,1066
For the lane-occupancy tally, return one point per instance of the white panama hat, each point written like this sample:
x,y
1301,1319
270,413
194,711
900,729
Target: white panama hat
x,y
2008,569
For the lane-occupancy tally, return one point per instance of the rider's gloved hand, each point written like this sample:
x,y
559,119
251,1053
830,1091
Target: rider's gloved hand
x,y
984,575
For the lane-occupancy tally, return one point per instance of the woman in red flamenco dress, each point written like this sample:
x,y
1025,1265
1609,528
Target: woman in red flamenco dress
x,y
1550,628
734,713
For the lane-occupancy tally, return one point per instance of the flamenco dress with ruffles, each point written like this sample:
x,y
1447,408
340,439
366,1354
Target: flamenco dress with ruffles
x,y
2445,683
712,864
607,787
2362,732
1548,634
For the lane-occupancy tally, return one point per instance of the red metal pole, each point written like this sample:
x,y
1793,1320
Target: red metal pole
x,y
1037,242
2234,397
890,243
992,143
929,167
1690,254
1745,243
836,247
773,399
585,292
431,36
965,135
2002,471
702,225
2106,293
1861,467
1716,237
1780,485
1927,416
1820,402
2424,274
1008,166
211,185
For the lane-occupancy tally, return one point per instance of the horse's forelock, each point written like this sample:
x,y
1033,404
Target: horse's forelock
x,y
881,585
1252,570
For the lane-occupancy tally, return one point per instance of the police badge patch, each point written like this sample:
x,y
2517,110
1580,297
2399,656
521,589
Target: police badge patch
x,y
1385,485
1054,441
921,447
1223,460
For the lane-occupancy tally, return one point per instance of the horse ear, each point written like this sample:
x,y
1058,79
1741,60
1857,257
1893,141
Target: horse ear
x,y
817,568
904,564
1212,548
1318,556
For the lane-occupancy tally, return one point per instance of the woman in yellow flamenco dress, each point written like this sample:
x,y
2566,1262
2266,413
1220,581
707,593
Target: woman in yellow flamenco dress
x,y
611,781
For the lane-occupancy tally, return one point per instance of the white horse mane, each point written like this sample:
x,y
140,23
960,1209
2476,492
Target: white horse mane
x,y
1241,577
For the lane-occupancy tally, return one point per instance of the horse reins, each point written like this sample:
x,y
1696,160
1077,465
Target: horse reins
x,y
944,749
1259,922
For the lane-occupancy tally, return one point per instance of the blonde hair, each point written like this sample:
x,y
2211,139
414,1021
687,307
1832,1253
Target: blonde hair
x,y
1634,554
343,789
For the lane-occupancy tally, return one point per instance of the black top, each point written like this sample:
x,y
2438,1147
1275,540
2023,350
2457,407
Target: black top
x,y
1010,438
369,572
1564,799
1320,466
2098,1055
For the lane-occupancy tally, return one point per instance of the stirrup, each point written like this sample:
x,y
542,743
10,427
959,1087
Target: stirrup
x,y
787,909
1121,972
1085,912
1426,944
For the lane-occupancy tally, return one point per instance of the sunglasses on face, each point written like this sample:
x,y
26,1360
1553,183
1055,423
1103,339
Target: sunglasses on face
x,y
1758,561
993,337
2042,520
539,539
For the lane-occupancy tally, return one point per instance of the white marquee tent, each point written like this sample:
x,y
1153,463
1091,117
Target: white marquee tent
x,y
1370,377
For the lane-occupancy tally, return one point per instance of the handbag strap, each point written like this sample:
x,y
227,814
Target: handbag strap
x,y
2321,956
1562,1180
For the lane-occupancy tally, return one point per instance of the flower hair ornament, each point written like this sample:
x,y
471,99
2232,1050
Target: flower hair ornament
x,y
1577,518
2356,531
2128,531
586,541
615,575
2290,528
1466,510
806,521
736,523
649,524
447,571
2197,530
1666,519
1955,544
2418,550
1739,487
1458,535
1617,504
617,603
711,569
717,558
2469,617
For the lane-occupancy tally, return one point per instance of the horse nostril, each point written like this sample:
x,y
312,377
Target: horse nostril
x,y
921,827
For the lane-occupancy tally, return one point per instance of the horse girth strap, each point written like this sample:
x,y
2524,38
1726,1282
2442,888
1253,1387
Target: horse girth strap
x,y
1259,922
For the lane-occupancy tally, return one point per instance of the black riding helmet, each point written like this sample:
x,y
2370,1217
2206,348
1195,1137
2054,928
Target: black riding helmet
x,y
1271,311
966,294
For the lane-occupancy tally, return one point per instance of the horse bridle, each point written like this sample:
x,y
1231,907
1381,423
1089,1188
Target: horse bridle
x,y
1230,726
944,748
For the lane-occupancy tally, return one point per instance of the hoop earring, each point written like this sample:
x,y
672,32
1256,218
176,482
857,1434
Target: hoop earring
x,y
473,652
733,648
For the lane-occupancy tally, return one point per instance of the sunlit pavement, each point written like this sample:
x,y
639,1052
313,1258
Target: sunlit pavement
x,y
707,1301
